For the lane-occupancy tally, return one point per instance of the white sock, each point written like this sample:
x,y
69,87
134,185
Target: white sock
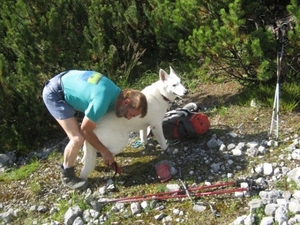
x,y
66,167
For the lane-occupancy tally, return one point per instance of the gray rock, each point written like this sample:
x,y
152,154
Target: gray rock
x,y
268,220
71,214
6,217
199,208
159,216
135,208
90,215
294,206
281,215
270,209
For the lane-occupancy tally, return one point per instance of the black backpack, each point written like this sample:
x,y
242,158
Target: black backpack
x,y
185,122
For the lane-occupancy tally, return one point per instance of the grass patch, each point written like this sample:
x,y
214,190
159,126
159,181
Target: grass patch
x,y
283,184
55,154
35,186
63,205
148,78
20,173
289,96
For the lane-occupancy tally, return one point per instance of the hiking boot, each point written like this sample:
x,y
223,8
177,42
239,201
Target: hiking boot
x,y
70,179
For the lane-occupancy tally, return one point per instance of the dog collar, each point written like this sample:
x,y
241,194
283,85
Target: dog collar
x,y
165,98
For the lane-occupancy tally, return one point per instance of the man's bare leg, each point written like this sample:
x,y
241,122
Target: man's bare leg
x,y
68,175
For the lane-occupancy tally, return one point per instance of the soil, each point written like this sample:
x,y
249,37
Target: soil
x,y
225,95
226,114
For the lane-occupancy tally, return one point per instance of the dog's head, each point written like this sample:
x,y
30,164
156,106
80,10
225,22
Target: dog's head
x,y
171,85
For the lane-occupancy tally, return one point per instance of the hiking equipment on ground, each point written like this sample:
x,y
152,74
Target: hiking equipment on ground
x,y
189,192
185,122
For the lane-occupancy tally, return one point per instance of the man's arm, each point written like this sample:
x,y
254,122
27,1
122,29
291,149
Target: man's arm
x,y
87,131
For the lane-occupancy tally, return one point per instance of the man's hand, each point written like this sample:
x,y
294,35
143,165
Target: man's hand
x,y
108,158
87,130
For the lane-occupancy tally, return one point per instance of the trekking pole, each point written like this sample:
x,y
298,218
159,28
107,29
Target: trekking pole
x,y
276,97
183,193
214,212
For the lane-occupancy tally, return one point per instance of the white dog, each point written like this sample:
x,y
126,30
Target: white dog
x,y
113,131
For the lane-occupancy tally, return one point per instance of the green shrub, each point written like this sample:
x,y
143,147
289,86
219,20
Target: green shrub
x,y
127,41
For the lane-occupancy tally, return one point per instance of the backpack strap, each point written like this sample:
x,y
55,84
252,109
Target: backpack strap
x,y
183,111
175,134
177,113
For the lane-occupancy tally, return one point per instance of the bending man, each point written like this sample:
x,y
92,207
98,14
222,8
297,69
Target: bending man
x,y
93,94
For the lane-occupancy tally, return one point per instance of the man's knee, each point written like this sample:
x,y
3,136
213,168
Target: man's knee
x,y
77,140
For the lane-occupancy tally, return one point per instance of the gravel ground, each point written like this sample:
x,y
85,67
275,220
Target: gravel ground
x,y
194,158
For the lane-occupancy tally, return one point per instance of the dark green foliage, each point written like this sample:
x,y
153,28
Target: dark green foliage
x,y
237,39
114,38
129,39
40,40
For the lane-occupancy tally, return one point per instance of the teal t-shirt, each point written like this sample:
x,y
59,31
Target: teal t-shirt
x,y
90,92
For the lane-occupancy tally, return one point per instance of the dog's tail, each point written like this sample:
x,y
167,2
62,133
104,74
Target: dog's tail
x,y
88,160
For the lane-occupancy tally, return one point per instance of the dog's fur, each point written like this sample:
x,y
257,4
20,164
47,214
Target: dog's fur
x,y
113,131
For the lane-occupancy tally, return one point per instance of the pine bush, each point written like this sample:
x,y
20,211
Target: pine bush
x,y
125,40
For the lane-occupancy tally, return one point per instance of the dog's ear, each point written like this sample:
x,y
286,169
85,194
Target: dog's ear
x,y
163,75
171,70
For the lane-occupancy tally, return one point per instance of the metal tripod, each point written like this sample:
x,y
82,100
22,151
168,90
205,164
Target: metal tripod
x,y
275,113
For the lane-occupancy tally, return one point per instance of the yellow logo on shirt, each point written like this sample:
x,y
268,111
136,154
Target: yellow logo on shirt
x,y
94,78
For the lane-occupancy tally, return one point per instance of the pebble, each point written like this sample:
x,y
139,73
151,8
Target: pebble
x,y
280,207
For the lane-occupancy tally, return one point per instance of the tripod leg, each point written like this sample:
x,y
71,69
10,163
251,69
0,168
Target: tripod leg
x,y
273,111
277,111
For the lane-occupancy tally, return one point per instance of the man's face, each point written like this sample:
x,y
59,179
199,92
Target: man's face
x,y
127,112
